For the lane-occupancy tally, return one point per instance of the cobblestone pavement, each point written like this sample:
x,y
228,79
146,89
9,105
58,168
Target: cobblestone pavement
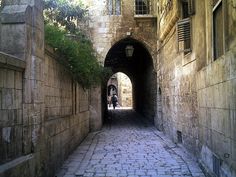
x,y
129,146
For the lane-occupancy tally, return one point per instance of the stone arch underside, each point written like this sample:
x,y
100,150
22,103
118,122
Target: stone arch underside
x,y
139,68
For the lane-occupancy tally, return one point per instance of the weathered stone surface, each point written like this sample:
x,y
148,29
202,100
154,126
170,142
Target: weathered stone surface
x,y
39,114
201,107
16,14
16,41
195,104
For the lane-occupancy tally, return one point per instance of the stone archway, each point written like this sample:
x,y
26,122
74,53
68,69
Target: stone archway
x,y
139,68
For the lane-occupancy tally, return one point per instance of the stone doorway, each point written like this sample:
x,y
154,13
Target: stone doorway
x,y
138,66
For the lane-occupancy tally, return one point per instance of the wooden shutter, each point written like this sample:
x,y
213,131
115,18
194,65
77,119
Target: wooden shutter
x,y
191,7
184,32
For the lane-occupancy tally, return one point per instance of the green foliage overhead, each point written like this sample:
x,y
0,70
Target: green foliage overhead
x,y
77,56
73,46
64,13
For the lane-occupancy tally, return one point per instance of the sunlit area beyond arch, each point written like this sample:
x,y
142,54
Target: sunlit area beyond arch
x,y
119,92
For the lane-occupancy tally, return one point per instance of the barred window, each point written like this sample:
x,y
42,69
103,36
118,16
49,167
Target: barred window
x,y
142,7
114,7
218,30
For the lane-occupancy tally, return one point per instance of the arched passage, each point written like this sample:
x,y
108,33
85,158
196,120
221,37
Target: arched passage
x,y
111,89
120,85
139,68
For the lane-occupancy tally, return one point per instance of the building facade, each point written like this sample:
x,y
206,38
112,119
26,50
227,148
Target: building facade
x,y
180,56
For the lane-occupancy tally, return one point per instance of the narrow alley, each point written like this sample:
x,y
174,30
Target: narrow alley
x,y
128,145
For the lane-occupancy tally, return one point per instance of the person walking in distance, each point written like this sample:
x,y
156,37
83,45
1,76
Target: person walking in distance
x,y
114,100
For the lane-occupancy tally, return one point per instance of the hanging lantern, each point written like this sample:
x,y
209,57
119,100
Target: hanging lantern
x,y
129,50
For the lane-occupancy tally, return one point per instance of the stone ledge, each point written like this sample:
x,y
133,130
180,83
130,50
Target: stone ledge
x,y
9,165
145,17
16,14
9,61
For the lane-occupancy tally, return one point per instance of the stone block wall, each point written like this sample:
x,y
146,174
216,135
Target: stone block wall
x,y
179,98
216,94
107,30
64,125
11,109
198,91
216,86
66,112
125,90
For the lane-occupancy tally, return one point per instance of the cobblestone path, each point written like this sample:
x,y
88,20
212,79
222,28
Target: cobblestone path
x,y
129,146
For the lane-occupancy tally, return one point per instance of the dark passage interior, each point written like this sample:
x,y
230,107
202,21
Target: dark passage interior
x,y
132,58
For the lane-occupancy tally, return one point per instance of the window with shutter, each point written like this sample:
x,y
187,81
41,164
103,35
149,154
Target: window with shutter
x,y
218,31
191,7
184,35
184,26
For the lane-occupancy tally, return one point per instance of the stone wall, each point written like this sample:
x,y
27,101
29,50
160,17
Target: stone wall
x,y
44,113
177,112
125,90
107,30
198,92
216,94
66,112
11,108
65,122
179,98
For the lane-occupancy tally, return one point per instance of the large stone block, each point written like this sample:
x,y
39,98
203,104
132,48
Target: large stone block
x,y
16,42
4,118
3,78
207,136
232,59
0,98
25,114
232,93
14,14
233,150
27,94
38,91
18,80
233,125
10,79
221,121
202,112
27,140
222,148
38,44
37,18
7,99
209,98
206,157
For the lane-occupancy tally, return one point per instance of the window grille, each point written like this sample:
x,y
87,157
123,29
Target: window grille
x,y
110,7
218,31
118,7
142,7
184,35
114,7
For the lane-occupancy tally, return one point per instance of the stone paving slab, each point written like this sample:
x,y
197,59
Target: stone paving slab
x,y
129,146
